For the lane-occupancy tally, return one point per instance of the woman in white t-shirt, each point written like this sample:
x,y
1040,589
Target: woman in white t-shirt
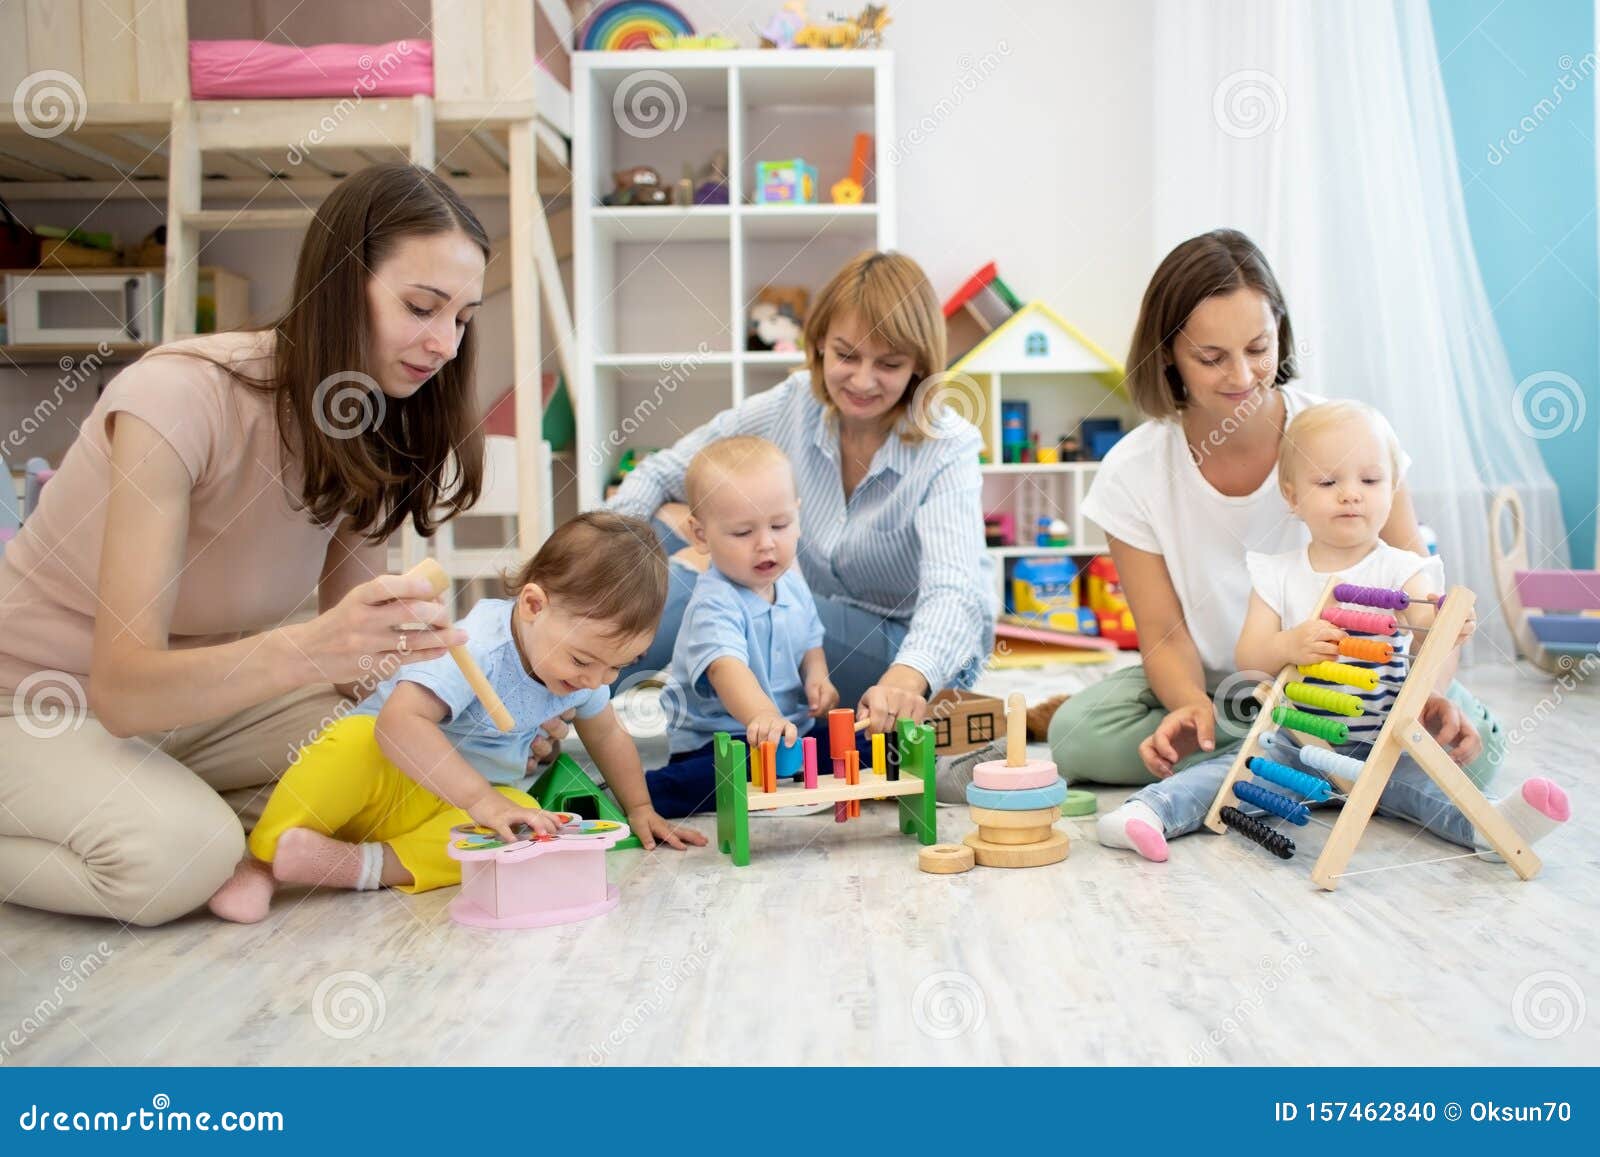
x,y
1182,499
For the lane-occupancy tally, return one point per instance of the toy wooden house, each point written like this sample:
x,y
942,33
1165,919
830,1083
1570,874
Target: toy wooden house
x,y
963,721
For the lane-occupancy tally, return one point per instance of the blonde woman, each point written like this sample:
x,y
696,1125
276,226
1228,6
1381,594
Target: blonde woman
x,y
891,516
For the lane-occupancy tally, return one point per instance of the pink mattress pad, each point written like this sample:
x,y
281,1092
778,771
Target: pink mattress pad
x,y
255,69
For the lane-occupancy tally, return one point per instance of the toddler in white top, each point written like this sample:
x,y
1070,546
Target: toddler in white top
x,y
1338,468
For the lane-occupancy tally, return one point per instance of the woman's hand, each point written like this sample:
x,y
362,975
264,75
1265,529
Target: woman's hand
x,y
361,636
646,823
1184,731
902,693
1449,726
493,810
547,744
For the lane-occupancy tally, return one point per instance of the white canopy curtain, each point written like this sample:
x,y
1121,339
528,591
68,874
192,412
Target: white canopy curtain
x,y
1321,131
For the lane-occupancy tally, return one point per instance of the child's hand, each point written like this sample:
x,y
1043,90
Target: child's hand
x,y
821,696
646,823
1313,641
770,728
1449,726
496,811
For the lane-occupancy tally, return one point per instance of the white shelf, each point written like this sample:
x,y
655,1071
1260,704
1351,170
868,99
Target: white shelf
x,y
655,278
804,222
1083,549
625,223
1039,467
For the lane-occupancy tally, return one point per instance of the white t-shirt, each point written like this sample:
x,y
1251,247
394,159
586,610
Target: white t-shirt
x,y
1149,493
1287,583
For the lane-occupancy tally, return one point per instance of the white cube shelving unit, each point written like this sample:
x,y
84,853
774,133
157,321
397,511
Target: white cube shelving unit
x,y
661,294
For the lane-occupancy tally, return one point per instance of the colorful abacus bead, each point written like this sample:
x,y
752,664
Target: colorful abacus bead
x,y
1329,729
1277,843
1381,597
1345,674
1314,789
1367,622
1274,802
1325,698
1330,762
1371,650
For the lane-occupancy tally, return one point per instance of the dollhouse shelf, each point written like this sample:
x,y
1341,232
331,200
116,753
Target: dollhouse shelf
x,y
662,293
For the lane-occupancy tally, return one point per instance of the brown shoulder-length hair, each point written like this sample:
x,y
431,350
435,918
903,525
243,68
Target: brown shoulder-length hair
x,y
890,295
418,458
605,566
1211,264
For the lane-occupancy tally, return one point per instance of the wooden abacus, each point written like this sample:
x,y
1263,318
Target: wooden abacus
x,y
1361,782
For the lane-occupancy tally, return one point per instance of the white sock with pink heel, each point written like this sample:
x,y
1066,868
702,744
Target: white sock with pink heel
x,y
1134,825
1535,809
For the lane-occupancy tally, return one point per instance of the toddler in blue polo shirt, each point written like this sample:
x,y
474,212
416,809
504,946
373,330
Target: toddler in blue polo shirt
x,y
749,656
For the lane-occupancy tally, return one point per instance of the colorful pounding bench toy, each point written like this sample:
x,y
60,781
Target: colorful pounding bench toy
x,y
1015,802
1359,783
537,880
742,789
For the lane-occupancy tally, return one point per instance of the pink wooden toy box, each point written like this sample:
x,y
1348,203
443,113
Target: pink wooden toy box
x,y
536,881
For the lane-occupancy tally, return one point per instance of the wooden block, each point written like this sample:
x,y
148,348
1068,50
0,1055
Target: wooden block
x,y
1014,836
1051,851
946,859
997,775
988,817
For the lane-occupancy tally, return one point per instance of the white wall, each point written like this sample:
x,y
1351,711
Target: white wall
x,y
1024,139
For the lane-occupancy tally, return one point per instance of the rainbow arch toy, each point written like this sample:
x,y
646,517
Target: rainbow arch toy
x,y
624,25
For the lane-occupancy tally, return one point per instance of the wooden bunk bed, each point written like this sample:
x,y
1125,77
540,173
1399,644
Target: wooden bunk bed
x,y
122,122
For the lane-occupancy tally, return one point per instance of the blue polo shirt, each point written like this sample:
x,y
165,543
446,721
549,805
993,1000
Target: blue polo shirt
x,y
499,756
723,618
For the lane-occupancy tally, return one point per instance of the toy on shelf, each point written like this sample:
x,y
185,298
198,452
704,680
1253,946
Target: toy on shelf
x,y
1052,532
1550,612
852,190
791,182
640,185
1014,436
1359,781
785,25
999,529
624,25
711,181
1044,592
864,31
536,880
1069,449
1103,594
777,319
1016,801
711,42
976,309
743,788
964,721
1098,435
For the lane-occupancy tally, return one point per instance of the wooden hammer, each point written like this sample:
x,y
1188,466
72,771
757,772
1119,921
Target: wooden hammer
x,y
430,570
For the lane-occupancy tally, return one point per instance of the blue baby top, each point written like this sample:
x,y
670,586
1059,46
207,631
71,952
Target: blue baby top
x,y
500,756
723,618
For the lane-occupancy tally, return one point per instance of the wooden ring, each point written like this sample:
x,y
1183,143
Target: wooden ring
x,y
946,859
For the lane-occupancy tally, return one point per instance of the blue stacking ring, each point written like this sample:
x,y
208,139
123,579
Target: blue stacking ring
x,y
1023,800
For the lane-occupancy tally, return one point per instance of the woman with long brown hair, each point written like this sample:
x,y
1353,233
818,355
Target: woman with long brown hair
x,y
153,681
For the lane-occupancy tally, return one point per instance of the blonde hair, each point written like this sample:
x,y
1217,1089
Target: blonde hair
x,y
1325,416
608,565
724,457
890,295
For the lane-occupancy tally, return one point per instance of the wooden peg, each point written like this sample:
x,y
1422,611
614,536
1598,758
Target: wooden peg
x,y
430,570
1016,730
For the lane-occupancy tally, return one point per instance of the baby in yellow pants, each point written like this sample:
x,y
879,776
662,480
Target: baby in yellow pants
x,y
371,801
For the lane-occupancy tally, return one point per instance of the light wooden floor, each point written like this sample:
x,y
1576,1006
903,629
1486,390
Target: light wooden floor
x,y
831,947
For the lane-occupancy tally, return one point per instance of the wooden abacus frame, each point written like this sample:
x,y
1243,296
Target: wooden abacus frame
x,y
1402,732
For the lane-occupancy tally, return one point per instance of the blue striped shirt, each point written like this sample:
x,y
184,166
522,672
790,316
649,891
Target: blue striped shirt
x,y
907,544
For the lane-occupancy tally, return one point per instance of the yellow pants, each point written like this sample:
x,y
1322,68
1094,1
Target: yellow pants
x,y
345,787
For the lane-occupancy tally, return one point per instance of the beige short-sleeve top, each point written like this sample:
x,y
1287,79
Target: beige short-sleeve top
x,y
252,558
